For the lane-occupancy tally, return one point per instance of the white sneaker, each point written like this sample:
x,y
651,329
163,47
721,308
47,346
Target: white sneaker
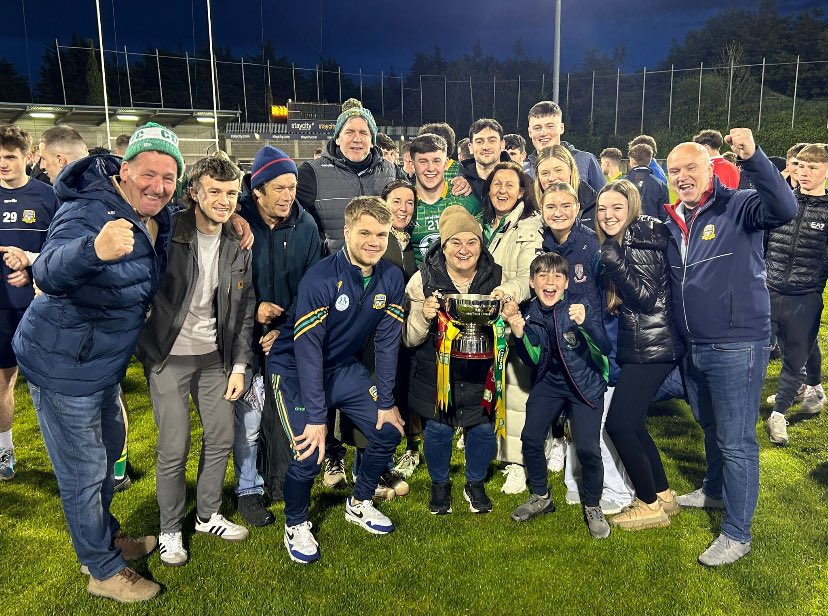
x,y
573,498
777,427
220,526
556,455
171,549
301,545
813,400
515,479
367,516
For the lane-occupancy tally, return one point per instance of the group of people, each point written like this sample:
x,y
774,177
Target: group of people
x,y
307,307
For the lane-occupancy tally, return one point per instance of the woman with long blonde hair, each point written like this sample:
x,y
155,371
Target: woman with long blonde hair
x,y
637,289
555,164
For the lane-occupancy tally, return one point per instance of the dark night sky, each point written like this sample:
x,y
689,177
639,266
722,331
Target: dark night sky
x,y
372,34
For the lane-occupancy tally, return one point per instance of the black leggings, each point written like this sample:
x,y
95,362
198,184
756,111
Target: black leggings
x,y
627,427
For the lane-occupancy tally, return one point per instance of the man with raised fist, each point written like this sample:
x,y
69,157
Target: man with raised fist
x,y
101,263
722,308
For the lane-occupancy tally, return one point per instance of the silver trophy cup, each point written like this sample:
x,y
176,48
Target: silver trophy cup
x,y
470,313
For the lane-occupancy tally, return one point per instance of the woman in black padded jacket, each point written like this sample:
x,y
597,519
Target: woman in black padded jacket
x,y
636,281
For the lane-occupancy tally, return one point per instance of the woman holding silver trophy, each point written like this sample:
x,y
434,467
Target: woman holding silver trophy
x,y
459,358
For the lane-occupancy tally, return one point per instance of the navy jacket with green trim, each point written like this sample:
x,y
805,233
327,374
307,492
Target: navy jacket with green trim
x,y
578,346
335,318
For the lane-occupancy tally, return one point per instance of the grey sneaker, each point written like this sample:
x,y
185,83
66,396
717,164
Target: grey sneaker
x,y
6,464
596,522
333,474
533,507
698,499
407,463
813,400
610,507
797,398
777,427
723,551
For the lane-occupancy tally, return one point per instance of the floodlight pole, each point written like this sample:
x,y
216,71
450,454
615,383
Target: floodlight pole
x,y
556,66
103,76
213,71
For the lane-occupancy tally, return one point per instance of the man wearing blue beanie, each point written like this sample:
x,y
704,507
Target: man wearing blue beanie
x,y
286,245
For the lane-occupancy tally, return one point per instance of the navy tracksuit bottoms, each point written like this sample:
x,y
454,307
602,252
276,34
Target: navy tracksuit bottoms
x,y
349,389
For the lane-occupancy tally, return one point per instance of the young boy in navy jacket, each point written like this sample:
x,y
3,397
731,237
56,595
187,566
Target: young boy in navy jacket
x,y
566,346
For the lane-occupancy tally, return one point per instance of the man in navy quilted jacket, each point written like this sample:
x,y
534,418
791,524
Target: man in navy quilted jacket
x,y
103,259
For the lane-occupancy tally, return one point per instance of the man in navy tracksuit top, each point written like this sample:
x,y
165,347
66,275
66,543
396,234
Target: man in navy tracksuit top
x,y
27,209
722,307
342,301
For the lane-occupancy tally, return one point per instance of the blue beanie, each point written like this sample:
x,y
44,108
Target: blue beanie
x,y
270,163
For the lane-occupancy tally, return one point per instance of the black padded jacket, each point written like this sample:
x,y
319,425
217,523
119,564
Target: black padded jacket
x,y
796,256
638,268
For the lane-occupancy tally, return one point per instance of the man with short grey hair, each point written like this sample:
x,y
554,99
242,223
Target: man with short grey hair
x,y
59,146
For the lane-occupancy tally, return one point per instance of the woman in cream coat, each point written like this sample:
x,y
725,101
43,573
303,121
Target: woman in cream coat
x,y
513,230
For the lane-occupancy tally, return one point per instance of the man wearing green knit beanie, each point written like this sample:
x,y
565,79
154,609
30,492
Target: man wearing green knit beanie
x,y
152,137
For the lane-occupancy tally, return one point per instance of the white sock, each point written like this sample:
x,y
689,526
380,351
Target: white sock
x,y
6,440
777,413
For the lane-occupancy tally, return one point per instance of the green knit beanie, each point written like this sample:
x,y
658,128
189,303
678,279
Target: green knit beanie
x,y
352,108
152,137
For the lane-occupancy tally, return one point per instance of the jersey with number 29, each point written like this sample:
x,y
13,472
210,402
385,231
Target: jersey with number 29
x,y
25,214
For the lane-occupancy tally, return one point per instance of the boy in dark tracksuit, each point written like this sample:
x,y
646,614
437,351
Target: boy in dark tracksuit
x,y
342,301
566,345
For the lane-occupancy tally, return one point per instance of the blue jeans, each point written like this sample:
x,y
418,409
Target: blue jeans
x,y
248,420
724,382
480,447
84,436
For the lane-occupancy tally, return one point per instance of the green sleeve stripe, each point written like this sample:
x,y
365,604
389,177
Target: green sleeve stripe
x,y
598,358
534,351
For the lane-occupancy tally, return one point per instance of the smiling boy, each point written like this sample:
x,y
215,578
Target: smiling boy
x,y
565,344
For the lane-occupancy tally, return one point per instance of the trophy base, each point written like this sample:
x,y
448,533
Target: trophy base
x,y
481,355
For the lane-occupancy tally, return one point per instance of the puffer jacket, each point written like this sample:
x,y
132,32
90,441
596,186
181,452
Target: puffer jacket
x,y
513,248
582,348
235,300
327,184
468,376
797,252
638,268
77,338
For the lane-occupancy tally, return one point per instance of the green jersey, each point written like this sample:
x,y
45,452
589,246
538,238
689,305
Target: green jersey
x,y
427,215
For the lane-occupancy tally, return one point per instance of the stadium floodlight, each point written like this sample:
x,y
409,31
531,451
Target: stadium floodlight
x,y
42,115
127,117
206,119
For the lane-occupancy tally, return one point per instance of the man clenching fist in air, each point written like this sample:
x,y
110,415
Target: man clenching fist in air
x,y
101,264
